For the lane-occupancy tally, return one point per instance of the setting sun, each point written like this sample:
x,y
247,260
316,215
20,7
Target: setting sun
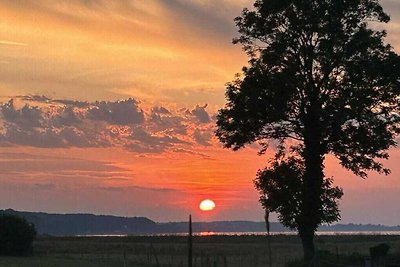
x,y
207,205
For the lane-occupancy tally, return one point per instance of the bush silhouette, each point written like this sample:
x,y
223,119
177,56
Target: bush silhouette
x,y
16,236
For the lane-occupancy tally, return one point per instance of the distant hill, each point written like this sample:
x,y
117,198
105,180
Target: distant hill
x,y
89,224
351,227
85,224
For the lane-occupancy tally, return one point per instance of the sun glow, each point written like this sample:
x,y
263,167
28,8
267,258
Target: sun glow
x,y
207,205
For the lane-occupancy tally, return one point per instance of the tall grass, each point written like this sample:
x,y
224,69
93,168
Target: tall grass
x,y
171,251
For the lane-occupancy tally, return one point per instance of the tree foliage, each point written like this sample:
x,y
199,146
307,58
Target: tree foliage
x,y
281,188
318,63
16,236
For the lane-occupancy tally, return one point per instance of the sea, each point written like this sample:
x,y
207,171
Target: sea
x,y
288,233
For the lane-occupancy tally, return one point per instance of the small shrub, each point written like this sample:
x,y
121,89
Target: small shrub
x,y
16,236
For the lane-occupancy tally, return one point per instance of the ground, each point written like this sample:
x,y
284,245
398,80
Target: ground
x,y
209,251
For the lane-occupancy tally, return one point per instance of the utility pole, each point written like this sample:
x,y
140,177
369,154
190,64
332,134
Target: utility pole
x,y
190,261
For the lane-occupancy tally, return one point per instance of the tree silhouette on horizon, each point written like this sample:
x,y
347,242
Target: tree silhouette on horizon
x,y
319,81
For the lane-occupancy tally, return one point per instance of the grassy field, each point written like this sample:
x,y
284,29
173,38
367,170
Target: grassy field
x,y
209,251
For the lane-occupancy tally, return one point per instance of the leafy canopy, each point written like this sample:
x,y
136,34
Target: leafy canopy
x,y
281,187
319,62
16,235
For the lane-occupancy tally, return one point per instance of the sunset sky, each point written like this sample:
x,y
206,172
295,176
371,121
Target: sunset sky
x,y
108,107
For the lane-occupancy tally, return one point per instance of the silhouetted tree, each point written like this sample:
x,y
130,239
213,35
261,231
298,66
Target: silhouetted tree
x,y
319,75
282,187
16,236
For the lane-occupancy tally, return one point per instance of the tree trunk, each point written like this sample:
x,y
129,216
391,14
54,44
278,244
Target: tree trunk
x,y
312,203
307,240
311,206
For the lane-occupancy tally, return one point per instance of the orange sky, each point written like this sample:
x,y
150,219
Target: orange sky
x,y
173,59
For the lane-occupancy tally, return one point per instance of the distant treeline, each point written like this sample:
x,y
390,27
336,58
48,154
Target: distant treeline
x,y
89,224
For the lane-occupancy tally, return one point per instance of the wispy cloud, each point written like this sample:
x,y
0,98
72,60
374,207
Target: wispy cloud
x,y
140,188
175,51
47,186
32,163
12,43
108,50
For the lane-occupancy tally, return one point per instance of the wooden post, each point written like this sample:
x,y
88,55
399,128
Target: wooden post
x,y
268,237
190,241
125,263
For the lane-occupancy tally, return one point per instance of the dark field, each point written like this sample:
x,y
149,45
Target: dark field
x,y
224,251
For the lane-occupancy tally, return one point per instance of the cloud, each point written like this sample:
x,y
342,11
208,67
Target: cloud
x,y
11,43
67,102
112,189
135,188
79,138
146,142
47,186
67,116
167,122
210,17
201,114
32,98
45,138
192,152
202,137
40,121
26,117
121,112
29,164
46,128
160,110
